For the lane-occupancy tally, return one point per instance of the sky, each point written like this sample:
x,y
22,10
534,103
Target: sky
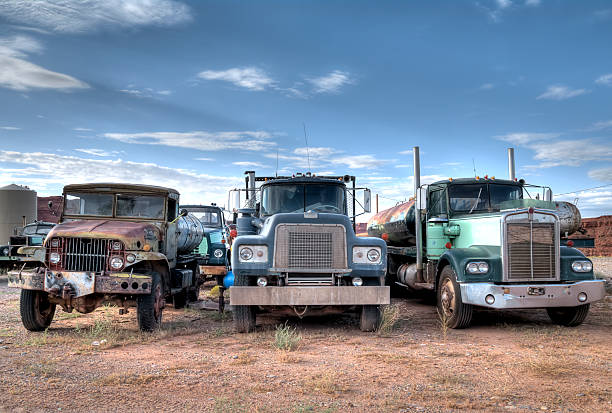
x,y
190,94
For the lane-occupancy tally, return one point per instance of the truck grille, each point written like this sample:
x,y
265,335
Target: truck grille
x,y
531,251
310,246
84,254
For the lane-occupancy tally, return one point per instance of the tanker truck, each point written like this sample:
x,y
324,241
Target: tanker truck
x,y
116,243
296,252
486,242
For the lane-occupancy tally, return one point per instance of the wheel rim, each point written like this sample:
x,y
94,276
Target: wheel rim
x,y
447,297
42,307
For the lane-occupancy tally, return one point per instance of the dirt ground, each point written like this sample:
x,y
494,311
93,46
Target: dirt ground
x,y
511,361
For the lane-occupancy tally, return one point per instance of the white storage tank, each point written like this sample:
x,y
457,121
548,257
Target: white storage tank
x,y
17,207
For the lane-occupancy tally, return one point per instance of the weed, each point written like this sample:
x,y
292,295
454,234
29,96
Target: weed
x,y
287,358
286,337
389,319
128,379
37,340
443,322
327,383
244,359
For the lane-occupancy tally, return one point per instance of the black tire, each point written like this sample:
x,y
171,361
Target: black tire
x,y
568,316
244,315
36,310
451,309
150,306
370,318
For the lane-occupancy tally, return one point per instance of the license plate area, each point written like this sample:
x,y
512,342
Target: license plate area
x,y
536,291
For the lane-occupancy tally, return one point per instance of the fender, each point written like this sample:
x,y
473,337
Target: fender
x,y
458,258
34,253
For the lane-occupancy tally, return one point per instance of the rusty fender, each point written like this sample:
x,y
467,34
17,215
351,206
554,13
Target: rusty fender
x,y
32,253
212,270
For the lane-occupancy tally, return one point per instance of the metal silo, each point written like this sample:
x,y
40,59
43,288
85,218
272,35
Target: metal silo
x,y
17,206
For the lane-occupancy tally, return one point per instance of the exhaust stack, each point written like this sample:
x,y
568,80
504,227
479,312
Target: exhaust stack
x,y
511,174
417,214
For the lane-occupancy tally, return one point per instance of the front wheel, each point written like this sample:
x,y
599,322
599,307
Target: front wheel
x,y
36,310
451,309
150,306
568,316
244,315
370,318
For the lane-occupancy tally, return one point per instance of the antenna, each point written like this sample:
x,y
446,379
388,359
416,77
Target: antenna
x,y
276,173
307,148
474,163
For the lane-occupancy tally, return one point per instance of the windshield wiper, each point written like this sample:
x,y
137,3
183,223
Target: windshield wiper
x,y
477,201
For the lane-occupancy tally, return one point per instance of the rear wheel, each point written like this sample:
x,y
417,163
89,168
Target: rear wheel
x,y
150,307
36,310
370,318
244,315
452,311
568,316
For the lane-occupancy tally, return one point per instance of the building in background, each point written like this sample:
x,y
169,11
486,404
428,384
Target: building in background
x,y
17,208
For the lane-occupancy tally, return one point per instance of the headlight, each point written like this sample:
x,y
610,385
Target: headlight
x,y
366,255
55,243
117,245
5,251
252,253
130,258
54,258
246,253
218,253
582,266
116,263
357,282
477,267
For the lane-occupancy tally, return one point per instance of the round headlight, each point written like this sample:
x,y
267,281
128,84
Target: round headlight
x,y
373,255
472,268
587,266
54,258
55,243
130,258
116,263
218,253
582,297
490,299
5,251
246,253
116,245
483,267
262,281
357,282
577,266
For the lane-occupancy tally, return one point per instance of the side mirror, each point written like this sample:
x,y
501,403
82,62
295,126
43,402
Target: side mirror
x,y
367,200
421,198
184,212
50,204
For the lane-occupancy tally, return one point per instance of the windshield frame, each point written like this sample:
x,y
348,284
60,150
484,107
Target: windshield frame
x,y
114,206
342,211
488,208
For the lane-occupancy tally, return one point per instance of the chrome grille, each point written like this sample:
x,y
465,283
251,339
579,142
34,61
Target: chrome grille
x,y
531,250
310,246
84,254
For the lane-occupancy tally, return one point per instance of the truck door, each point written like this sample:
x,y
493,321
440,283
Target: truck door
x,y
171,235
437,219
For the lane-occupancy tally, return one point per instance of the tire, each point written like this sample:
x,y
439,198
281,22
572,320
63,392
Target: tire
x,y
568,316
193,294
36,310
451,309
150,307
370,318
244,315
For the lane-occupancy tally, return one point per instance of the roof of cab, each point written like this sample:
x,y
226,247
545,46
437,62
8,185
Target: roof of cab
x,y
119,187
477,181
303,180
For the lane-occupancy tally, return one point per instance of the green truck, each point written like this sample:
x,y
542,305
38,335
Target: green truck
x,y
490,243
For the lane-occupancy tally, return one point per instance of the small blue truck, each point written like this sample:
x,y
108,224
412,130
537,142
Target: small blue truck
x,y
296,251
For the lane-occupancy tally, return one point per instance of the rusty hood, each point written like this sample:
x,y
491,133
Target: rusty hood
x,y
129,232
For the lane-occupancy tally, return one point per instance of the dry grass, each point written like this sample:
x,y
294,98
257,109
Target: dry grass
x,y
244,359
286,338
128,379
326,383
389,319
288,358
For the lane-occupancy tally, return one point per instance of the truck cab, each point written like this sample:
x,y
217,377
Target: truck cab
x,y
297,251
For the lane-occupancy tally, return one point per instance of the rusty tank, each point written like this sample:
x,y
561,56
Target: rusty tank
x,y
570,220
394,225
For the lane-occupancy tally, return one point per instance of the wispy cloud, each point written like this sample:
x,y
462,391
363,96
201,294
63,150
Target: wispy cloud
x,y
532,2
248,164
144,92
522,138
82,129
97,152
486,86
570,153
606,124
19,74
9,128
561,92
200,140
67,16
251,77
602,174
604,79
332,82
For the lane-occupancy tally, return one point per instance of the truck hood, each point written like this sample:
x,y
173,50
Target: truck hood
x,y
126,231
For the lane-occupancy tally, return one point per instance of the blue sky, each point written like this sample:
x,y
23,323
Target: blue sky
x,y
192,94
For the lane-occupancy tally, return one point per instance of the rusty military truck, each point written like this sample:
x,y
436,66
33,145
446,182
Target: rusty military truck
x,y
116,243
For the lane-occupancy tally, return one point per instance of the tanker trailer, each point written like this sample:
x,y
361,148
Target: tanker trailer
x,y
486,242
115,243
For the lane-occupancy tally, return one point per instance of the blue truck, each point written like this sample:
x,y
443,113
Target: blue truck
x,y
296,252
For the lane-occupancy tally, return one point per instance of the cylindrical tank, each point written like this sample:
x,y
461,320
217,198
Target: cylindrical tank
x,y
190,233
397,223
244,223
17,208
570,219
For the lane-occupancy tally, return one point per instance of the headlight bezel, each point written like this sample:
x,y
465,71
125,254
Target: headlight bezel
x,y
477,267
582,266
218,253
361,254
55,258
258,253
116,258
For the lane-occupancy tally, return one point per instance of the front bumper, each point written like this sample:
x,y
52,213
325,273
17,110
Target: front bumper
x,y
77,284
532,295
321,295
213,270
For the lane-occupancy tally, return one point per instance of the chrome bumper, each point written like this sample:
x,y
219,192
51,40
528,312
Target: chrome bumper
x,y
532,295
330,295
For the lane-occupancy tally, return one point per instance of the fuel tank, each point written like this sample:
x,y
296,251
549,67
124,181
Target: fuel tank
x,y
397,223
570,219
190,233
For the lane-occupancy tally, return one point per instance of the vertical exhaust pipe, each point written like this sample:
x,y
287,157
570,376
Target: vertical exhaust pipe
x,y
418,230
251,189
511,173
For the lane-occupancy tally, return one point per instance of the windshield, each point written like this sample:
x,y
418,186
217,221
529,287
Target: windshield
x,y
89,204
208,218
140,206
300,198
481,197
37,229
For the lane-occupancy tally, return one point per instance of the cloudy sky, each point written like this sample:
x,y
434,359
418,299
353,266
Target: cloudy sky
x,y
191,94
